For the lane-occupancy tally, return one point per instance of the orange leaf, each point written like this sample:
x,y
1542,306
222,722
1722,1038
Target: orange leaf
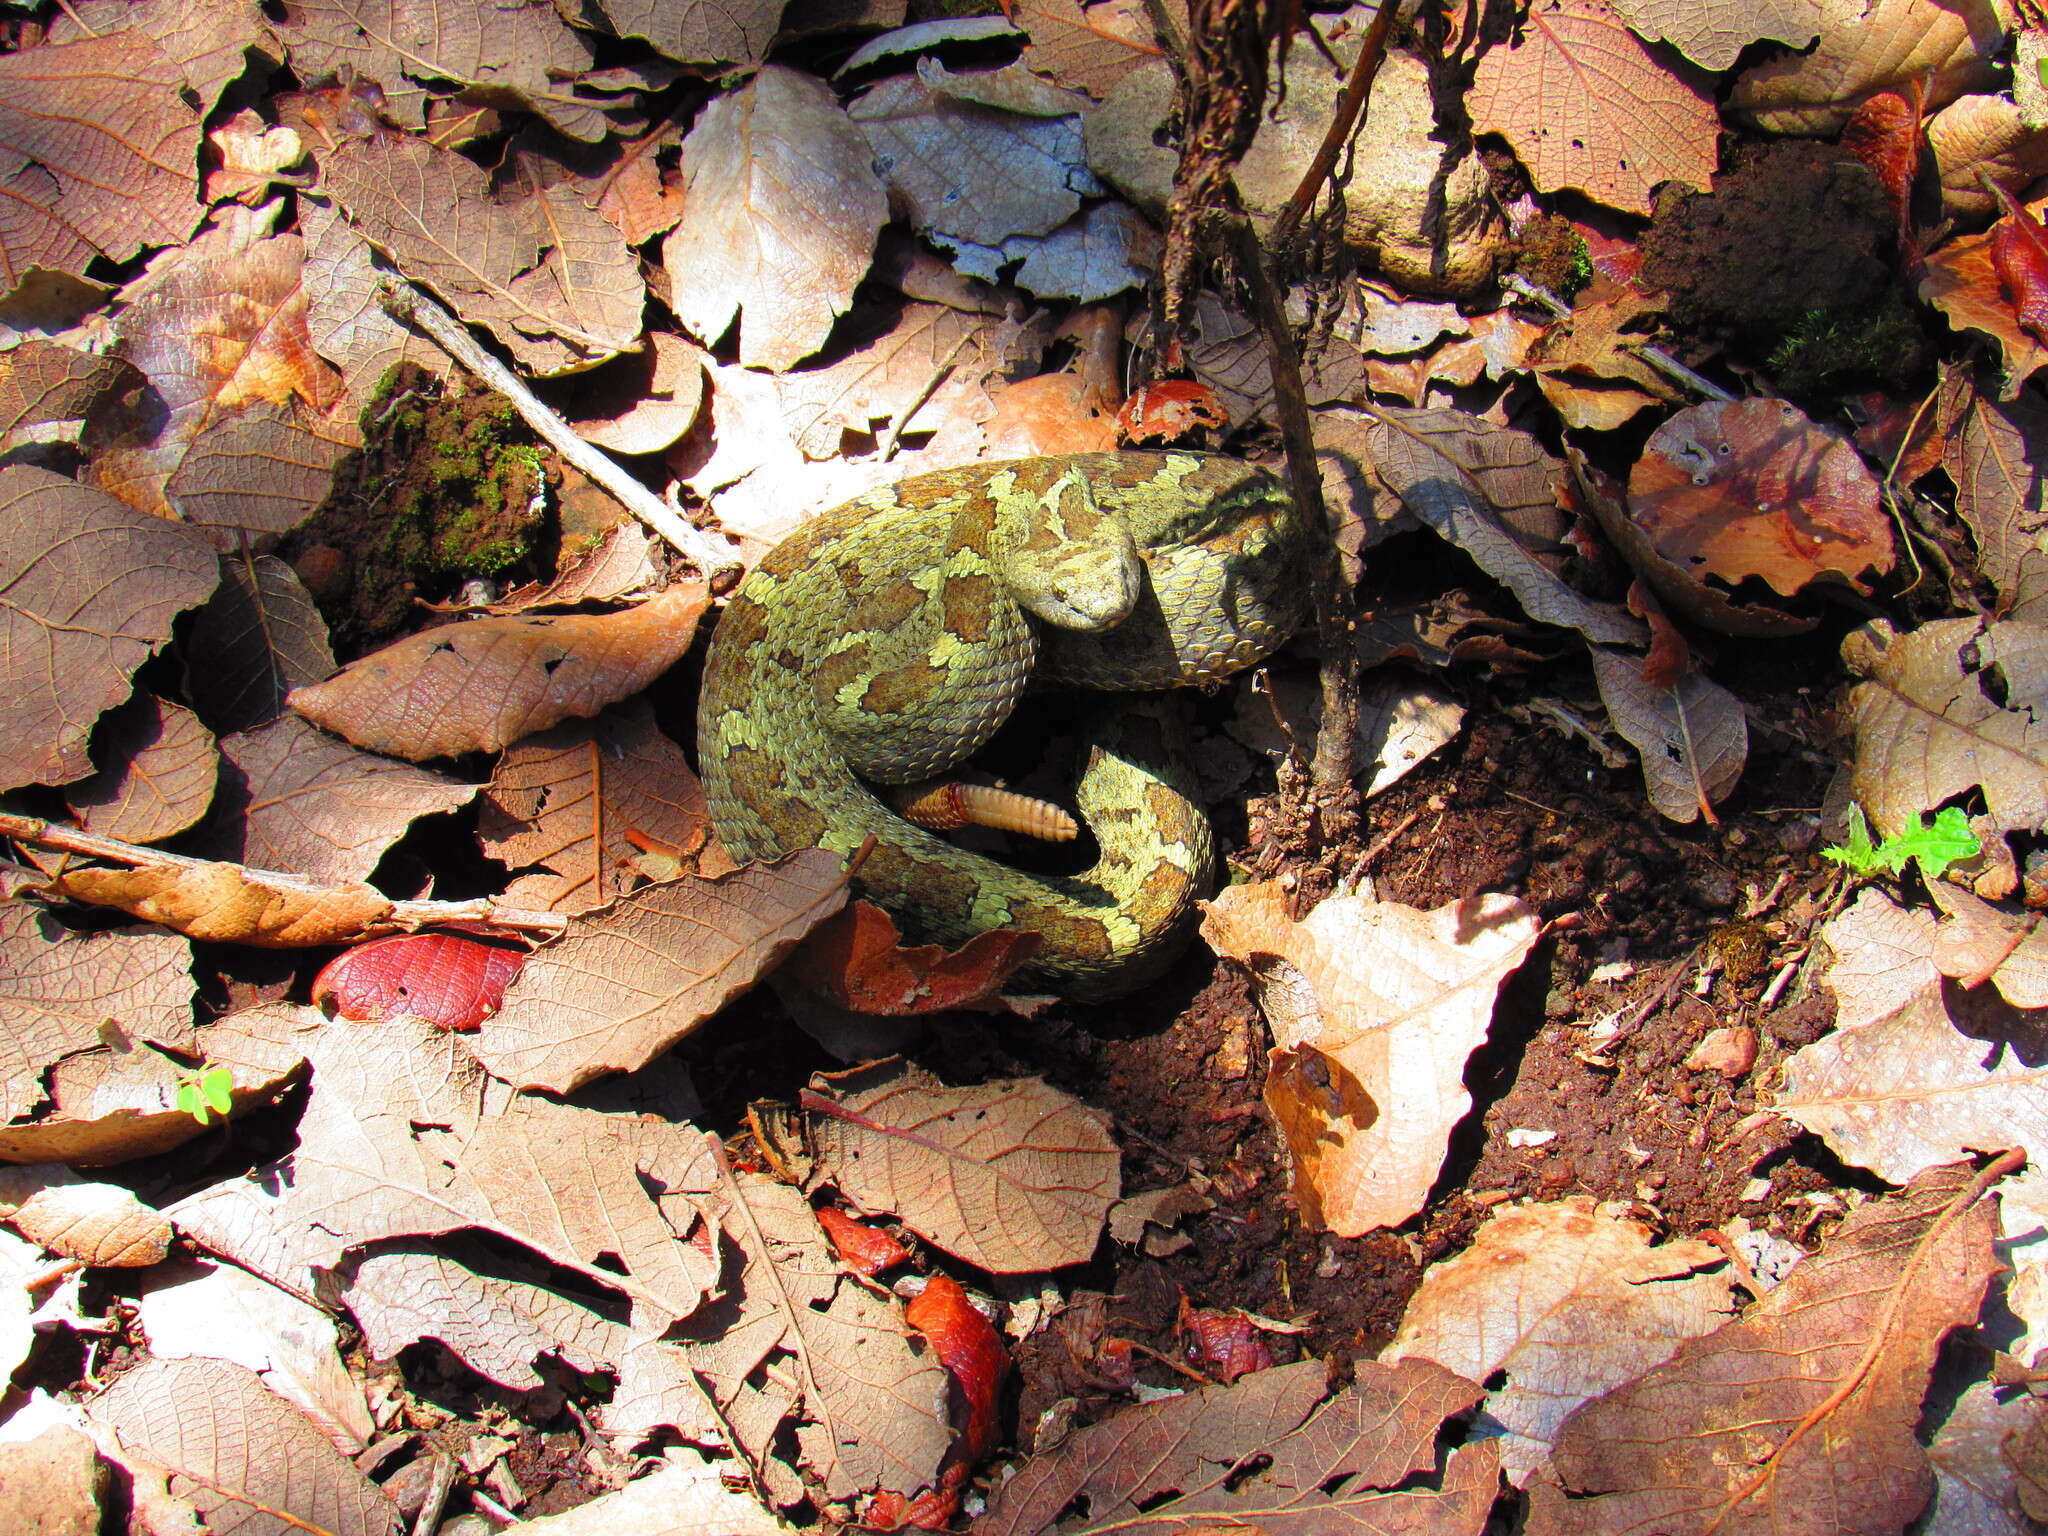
x,y
446,978
970,1348
857,960
1884,133
1169,410
863,1249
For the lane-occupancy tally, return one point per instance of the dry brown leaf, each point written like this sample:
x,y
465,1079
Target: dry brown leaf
x,y
42,383
621,564
51,1478
76,120
551,279
1012,1176
1566,1301
102,1225
1589,373
247,1459
230,904
576,811
93,587
1951,706
638,403
219,1312
1050,413
1981,942
257,638
685,1496
1797,1418
1987,134
1712,35
300,802
208,44
113,1103
1088,47
253,157
509,53
344,312
1883,958
700,31
497,1327
625,983
238,432
1961,282
397,1141
1738,488
785,207
1585,105
1867,46
1692,738
872,1404
1375,1007
935,363
1998,459
1473,483
59,990
479,686
159,773
1267,1454
1976,1492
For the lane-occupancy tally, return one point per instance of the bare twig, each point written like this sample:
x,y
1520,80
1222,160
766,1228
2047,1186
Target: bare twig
x,y
405,302
1350,106
403,914
1654,355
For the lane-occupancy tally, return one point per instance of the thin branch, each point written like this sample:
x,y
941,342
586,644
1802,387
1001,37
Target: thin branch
x,y
713,559
1350,107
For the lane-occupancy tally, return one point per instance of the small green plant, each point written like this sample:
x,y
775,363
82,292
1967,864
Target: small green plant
x,y
1936,844
205,1091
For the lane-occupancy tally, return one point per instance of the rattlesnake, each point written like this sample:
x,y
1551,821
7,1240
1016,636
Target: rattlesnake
x,y
888,638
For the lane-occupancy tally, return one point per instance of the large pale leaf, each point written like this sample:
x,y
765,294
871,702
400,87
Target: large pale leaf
x,y
1375,1007
625,983
79,120
93,587
552,279
1867,46
574,811
1267,1454
1011,1175
208,44
700,31
300,801
1798,1418
1087,47
1586,106
478,686
784,210
397,1141
240,1453
1565,1301
1714,33
1954,705
59,989
890,379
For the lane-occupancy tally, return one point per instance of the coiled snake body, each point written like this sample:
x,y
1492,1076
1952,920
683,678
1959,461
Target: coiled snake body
x,y
888,639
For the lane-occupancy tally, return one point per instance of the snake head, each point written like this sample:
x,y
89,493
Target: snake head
x,y
1064,558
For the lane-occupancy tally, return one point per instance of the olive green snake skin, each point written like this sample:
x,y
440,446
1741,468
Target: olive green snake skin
x,y
888,639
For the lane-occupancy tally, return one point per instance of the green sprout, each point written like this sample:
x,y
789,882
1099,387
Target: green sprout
x,y
205,1090
1936,844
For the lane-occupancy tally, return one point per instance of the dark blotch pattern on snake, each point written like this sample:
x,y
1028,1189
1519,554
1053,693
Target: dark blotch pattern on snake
x,y
887,640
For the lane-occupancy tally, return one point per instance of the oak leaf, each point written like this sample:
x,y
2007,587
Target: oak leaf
x,y
1586,105
1267,1454
100,1225
93,588
785,207
207,44
1011,1175
639,402
626,982
1976,1488
1565,1302
685,1496
1987,134
477,687
1955,705
577,811
345,315
1981,942
890,378
1799,1416
1375,1007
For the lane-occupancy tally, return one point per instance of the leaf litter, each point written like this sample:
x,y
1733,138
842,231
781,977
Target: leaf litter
x,y
1519,1107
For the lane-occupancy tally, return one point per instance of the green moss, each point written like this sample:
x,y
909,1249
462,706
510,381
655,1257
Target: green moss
x,y
1831,349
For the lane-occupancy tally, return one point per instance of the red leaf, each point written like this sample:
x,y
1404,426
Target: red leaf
x,y
1670,658
447,978
932,1510
1884,133
2019,255
1169,410
863,1249
857,959
1225,1343
971,1349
